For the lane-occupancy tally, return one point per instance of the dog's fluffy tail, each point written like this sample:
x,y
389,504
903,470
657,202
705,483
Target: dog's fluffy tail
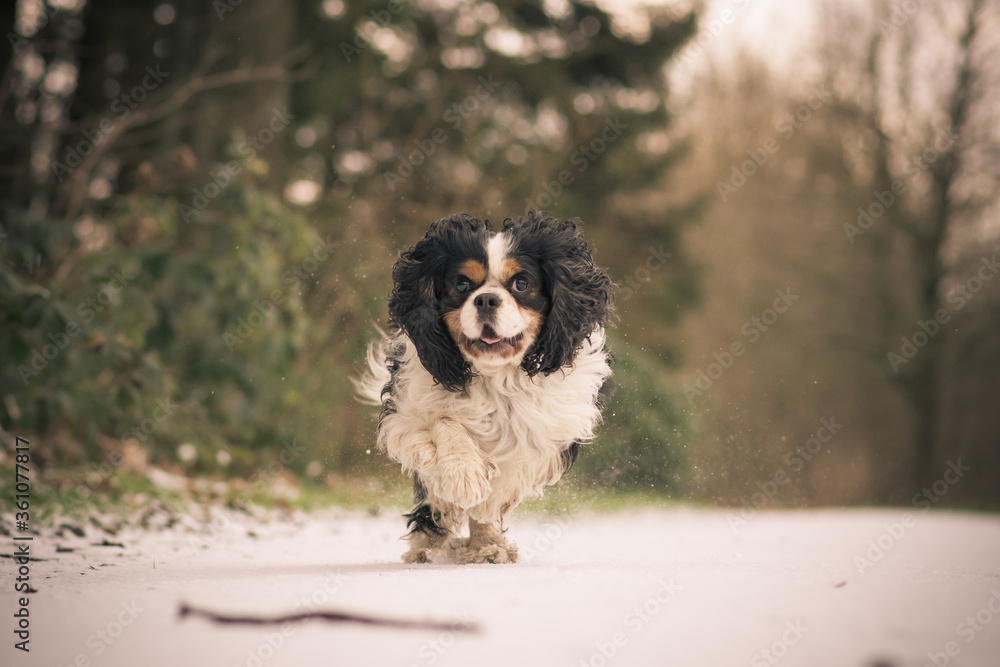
x,y
370,383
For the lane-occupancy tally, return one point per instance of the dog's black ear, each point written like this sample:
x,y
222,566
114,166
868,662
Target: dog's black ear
x,y
581,293
415,304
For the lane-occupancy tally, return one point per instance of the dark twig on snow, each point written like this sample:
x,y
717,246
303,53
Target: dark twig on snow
x,y
332,616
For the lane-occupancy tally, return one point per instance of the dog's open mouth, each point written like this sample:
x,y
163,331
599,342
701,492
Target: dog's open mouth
x,y
489,339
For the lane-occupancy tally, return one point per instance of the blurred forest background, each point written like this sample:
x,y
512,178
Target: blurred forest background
x,y
202,201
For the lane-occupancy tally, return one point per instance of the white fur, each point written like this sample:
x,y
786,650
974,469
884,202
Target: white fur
x,y
509,321
496,252
481,451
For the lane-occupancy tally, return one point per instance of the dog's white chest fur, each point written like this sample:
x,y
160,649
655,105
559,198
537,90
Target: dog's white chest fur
x,y
518,425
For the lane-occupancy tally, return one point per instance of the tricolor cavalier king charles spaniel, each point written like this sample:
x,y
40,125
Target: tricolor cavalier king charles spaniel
x,y
495,372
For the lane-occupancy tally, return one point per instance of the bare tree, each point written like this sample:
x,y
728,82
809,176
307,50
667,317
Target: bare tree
x,y
916,159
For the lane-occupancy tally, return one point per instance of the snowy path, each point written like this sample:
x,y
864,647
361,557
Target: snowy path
x,y
671,587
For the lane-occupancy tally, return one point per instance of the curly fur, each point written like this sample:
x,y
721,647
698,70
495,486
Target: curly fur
x,y
414,305
481,433
582,293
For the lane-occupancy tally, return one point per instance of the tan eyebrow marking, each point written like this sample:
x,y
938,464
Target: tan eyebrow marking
x,y
474,271
511,267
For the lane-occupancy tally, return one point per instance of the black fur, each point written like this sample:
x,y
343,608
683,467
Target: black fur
x,y
421,519
388,395
579,299
607,389
582,293
569,456
415,303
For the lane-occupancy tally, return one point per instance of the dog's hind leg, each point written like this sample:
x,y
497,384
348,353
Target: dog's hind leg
x,y
426,535
486,545
430,529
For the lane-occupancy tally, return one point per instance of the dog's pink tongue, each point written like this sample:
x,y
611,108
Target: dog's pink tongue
x,y
490,340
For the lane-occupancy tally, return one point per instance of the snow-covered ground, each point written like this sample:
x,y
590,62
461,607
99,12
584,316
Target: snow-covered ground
x,y
683,587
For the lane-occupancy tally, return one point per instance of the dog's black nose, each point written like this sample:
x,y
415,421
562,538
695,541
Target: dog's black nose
x,y
487,302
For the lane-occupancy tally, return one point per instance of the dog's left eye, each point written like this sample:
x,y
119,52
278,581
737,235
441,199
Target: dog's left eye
x,y
462,285
519,284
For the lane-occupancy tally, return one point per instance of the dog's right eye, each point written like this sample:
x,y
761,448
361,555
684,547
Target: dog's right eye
x,y
462,285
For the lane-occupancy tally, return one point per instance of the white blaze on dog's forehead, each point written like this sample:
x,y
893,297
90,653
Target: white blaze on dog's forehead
x,y
496,252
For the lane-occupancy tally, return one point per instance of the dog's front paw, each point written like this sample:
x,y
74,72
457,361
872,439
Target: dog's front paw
x,y
417,555
491,553
462,471
464,481
415,453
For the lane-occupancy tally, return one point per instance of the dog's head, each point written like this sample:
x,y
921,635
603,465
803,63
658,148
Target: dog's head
x,y
474,300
